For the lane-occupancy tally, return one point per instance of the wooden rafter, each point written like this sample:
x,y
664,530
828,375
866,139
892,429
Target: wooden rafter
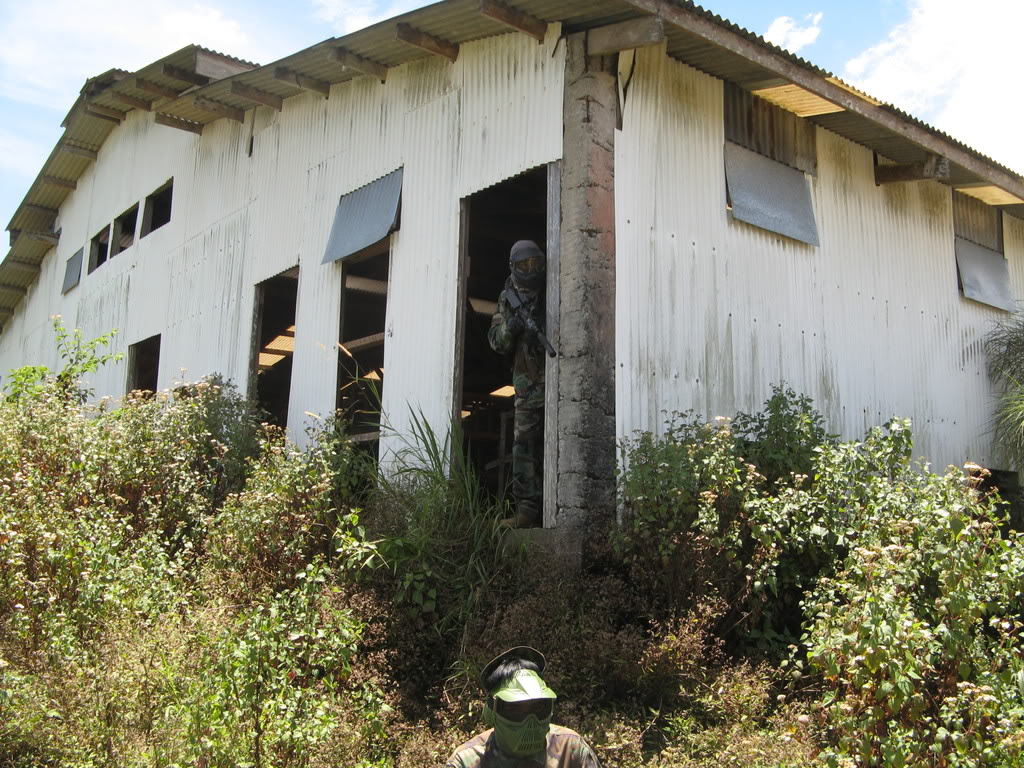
x,y
781,65
55,181
184,75
934,167
221,110
635,33
50,238
513,17
33,208
13,235
304,82
359,63
131,101
256,95
73,149
427,42
35,269
176,122
157,89
105,113
8,288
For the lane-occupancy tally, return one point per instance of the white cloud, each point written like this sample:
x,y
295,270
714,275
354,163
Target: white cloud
x,y
787,33
346,16
953,67
51,48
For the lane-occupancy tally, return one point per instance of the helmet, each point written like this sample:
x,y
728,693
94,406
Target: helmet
x,y
520,708
528,264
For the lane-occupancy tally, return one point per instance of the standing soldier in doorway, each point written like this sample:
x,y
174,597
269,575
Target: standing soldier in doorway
x,y
517,329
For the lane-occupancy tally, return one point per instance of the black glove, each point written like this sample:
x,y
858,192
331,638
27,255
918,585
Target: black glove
x,y
514,324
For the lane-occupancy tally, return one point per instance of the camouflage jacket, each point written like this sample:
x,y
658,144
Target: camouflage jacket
x,y
566,749
527,353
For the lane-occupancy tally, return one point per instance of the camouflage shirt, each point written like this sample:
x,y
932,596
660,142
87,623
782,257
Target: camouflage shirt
x,y
566,749
526,351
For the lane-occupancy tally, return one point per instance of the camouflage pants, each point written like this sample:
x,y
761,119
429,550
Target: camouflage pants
x,y
528,451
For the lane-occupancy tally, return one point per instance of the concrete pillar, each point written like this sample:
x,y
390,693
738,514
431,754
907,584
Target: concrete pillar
x,y
586,276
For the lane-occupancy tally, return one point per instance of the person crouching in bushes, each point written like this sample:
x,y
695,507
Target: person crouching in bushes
x,y
518,711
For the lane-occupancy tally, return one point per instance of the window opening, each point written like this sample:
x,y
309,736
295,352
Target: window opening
x,y
99,248
983,273
124,230
157,211
144,364
767,152
364,303
276,301
513,210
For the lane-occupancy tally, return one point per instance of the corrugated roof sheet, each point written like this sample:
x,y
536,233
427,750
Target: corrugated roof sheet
x,y
457,21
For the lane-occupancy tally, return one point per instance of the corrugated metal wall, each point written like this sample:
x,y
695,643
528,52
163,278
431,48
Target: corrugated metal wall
x,y
711,312
240,219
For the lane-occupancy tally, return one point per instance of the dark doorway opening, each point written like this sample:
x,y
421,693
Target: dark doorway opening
x,y
276,300
364,304
144,364
493,220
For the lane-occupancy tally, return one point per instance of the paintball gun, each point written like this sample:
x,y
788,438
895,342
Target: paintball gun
x,y
515,301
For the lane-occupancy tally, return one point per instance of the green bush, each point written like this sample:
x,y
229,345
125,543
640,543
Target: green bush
x,y
700,518
916,634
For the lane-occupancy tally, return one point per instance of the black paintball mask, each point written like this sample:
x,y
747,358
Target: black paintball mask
x,y
528,265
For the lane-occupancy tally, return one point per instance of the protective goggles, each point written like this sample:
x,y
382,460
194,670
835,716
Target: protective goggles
x,y
528,264
518,711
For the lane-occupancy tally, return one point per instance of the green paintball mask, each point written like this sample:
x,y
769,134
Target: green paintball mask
x,y
520,709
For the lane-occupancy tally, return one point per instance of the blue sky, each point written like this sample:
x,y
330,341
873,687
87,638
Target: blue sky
x,y
930,57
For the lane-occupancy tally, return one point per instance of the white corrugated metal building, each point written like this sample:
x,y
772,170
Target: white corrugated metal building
x,y
191,205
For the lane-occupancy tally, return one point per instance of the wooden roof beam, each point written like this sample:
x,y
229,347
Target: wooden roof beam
x,y
221,110
781,65
54,181
298,80
131,101
157,89
176,122
359,63
635,33
934,167
184,75
34,269
12,236
427,42
217,66
73,149
104,113
17,289
513,17
256,95
33,208
50,238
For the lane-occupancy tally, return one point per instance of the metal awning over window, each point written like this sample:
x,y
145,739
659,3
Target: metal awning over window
x,y
984,275
73,271
769,195
365,216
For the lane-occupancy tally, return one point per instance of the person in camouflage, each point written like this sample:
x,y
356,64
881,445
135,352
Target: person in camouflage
x,y
509,335
519,706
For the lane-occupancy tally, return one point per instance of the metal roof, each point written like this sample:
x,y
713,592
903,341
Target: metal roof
x,y
695,36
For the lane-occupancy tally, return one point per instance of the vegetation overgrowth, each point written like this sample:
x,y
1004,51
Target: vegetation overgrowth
x,y
179,586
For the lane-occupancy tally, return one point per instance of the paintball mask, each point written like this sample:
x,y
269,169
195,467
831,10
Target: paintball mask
x,y
528,265
520,709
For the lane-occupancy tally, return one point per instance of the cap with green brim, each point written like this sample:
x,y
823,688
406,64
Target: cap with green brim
x,y
524,685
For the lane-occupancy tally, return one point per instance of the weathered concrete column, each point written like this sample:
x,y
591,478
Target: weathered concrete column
x,y
586,367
